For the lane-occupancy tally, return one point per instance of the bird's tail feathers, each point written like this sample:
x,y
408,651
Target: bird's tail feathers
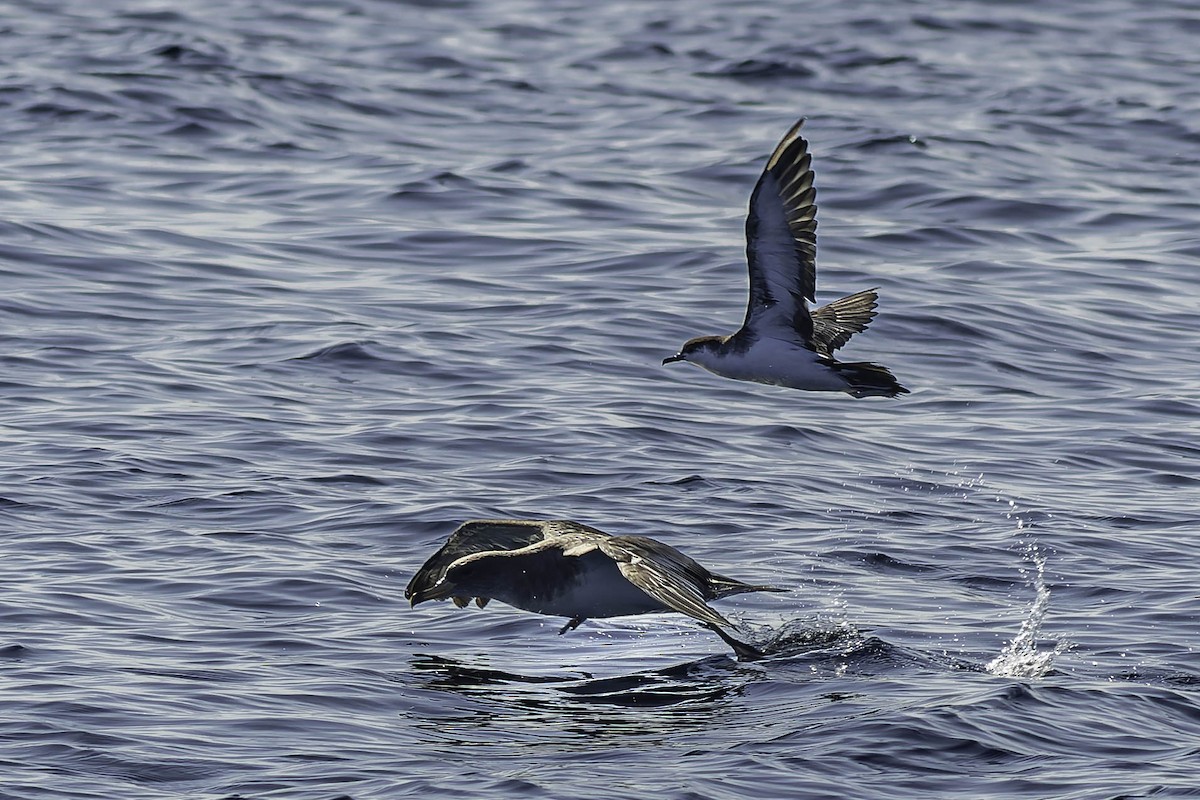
x,y
868,380
727,587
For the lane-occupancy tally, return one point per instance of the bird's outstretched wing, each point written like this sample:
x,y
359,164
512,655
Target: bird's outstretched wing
x,y
781,240
665,574
834,324
479,536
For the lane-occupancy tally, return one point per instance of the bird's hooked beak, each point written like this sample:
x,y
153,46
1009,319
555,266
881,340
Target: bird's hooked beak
x,y
439,591
673,359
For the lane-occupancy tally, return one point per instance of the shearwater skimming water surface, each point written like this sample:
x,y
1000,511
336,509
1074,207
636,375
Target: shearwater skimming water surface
x,y
561,568
780,342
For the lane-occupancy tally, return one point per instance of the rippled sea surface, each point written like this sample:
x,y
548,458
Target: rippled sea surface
x,y
290,289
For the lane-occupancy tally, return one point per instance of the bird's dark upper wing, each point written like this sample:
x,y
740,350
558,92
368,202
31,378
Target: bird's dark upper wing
x,y
664,573
478,536
781,240
834,324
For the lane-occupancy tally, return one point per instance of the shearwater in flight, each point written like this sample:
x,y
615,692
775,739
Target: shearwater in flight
x,y
780,341
564,569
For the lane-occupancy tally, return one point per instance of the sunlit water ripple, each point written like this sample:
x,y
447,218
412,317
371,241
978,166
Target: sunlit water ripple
x,y
291,289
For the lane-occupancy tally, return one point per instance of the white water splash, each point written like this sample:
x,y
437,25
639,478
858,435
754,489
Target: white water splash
x,y
1021,658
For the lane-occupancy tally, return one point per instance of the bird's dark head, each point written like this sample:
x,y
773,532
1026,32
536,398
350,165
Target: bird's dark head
x,y
465,578
699,349
435,591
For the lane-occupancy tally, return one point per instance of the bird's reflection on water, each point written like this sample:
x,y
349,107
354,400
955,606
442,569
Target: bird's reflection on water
x,y
707,679
689,682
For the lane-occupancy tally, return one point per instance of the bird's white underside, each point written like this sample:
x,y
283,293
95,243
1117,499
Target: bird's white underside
x,y
773,361
601,591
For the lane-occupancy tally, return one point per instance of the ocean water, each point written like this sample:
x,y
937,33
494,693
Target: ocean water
x,y
289,290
